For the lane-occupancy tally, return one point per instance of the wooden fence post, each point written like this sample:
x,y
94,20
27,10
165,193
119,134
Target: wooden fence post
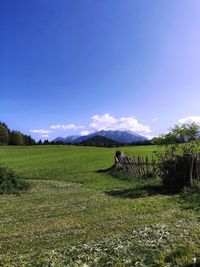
x,y
191,164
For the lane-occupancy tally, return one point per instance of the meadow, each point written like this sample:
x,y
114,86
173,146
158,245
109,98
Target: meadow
x,y
74,215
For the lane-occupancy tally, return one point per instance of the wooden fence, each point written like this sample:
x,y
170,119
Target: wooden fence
x,y
138,165
147,166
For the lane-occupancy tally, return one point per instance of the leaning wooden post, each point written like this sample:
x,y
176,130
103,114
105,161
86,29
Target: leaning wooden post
x,y
119,160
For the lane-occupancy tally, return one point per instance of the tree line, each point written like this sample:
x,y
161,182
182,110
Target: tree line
x,y
8,137
16,138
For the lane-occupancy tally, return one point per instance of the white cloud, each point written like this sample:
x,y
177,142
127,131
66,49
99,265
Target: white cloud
x,y
45,135
41,131
85,132
190,119
108,122
67,127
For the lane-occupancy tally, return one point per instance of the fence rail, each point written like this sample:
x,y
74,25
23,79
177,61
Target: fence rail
x,y
138,165
146,166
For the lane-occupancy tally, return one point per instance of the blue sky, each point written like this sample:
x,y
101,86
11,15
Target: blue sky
x,y
77,66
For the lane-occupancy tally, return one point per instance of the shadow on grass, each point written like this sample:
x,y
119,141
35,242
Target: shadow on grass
x,y
143,186
137,192
108,170
150,186
121,174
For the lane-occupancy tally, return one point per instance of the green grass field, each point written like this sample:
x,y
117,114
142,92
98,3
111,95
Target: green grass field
x,y
75,216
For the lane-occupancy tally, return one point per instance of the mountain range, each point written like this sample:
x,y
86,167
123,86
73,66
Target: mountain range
x,y
100,141
126,137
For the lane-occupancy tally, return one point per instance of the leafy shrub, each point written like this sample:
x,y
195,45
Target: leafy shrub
x,y
174,173
10,182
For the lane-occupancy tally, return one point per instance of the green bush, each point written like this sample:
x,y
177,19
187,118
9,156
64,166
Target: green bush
x,y
10,182
174,173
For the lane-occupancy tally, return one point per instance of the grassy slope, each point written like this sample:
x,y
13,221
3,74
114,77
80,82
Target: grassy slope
x,y
70,204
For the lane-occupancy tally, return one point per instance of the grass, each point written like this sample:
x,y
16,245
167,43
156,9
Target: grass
x,y
74,215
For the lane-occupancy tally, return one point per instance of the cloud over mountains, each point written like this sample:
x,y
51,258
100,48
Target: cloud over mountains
x,y
108,122
101,122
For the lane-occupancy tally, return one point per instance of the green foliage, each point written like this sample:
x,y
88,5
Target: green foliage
x,y
179,134
191,147
4,135
174,165
174,173
16,138
10,182
186,132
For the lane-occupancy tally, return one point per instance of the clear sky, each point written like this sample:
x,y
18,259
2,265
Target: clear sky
x,y
77,66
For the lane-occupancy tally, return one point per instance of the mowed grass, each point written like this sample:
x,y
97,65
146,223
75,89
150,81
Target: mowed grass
x,y
74,215
66,163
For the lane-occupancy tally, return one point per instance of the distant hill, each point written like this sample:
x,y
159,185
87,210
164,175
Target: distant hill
x,y
125,137
100,141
